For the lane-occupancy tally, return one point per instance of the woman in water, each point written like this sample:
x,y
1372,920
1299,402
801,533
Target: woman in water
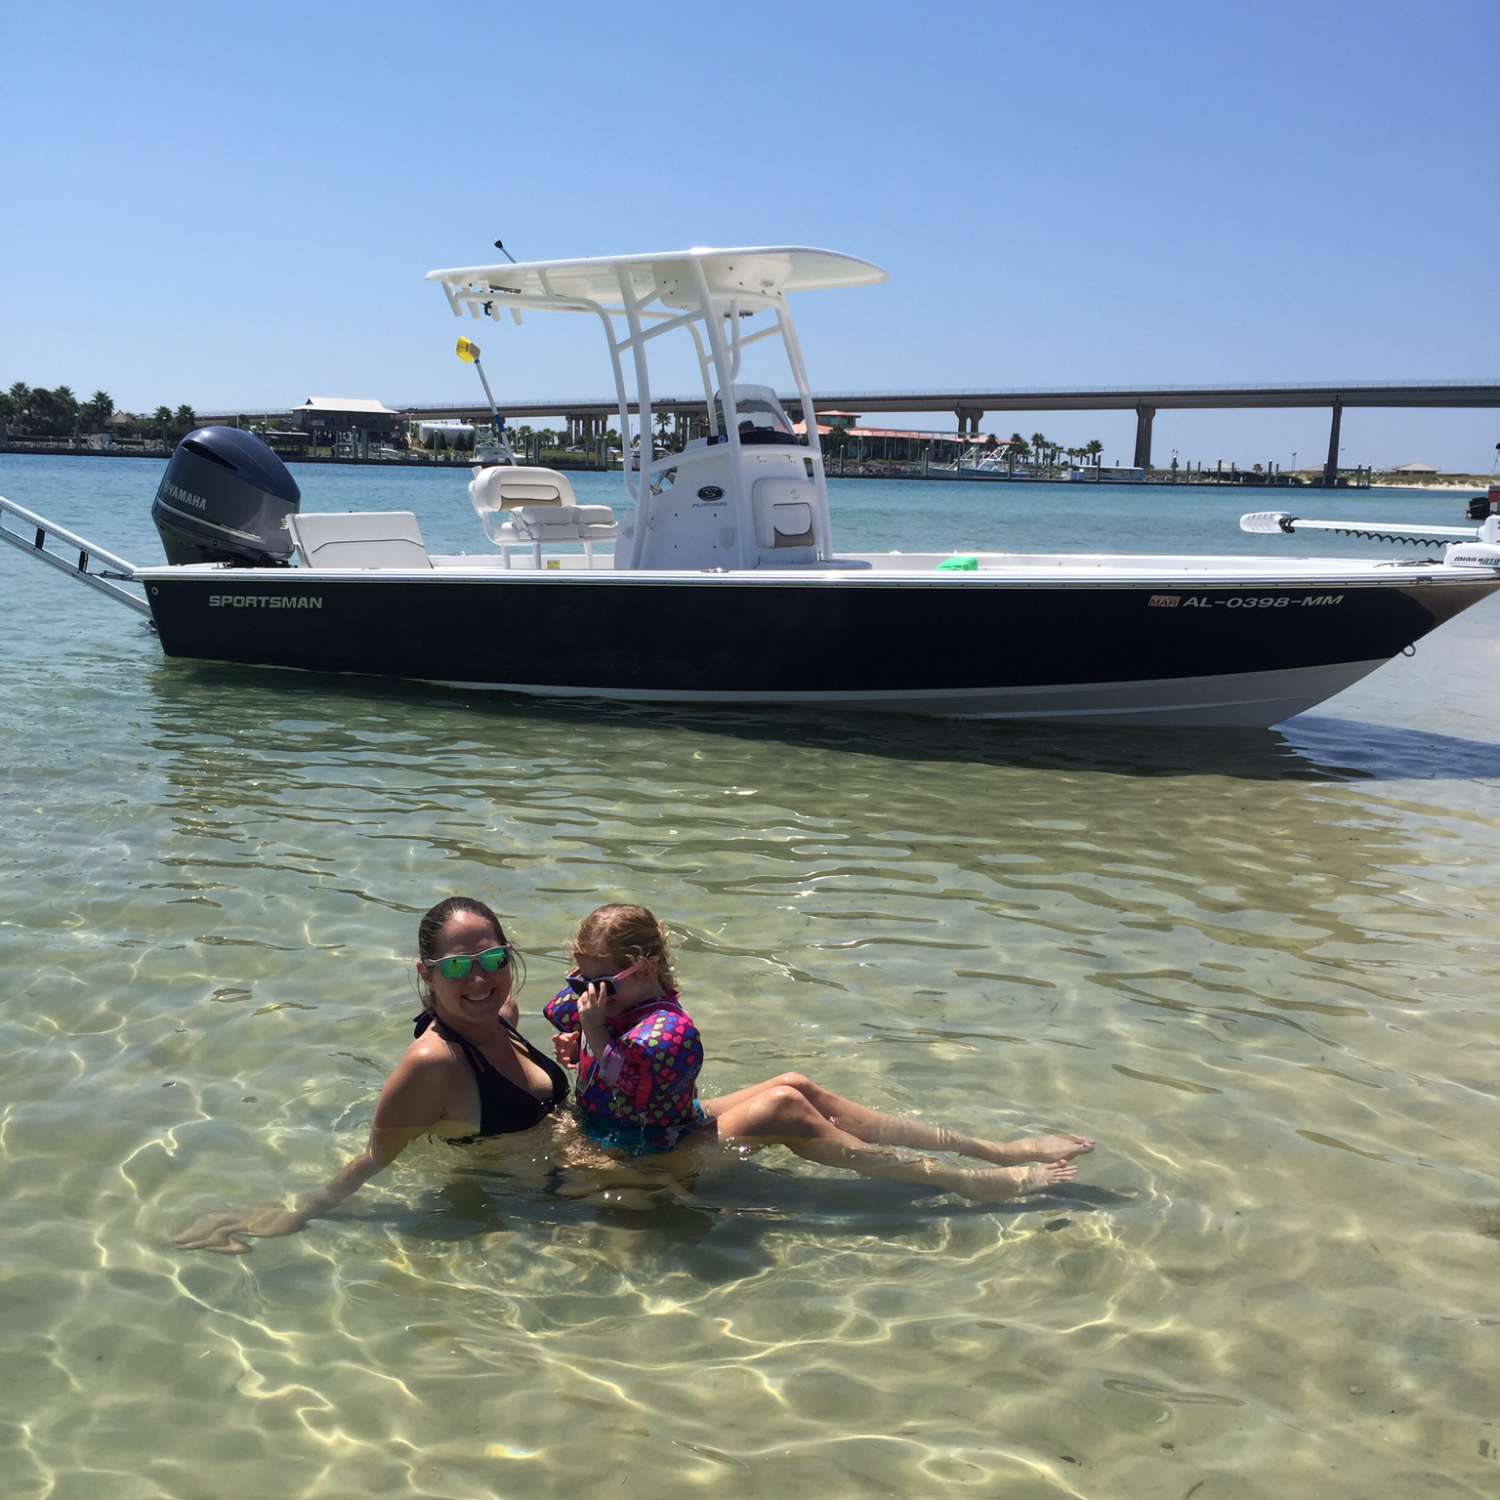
x,y
638,1054
467,1075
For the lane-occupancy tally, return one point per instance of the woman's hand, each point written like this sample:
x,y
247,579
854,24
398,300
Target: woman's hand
x,y
220,1231
565,1047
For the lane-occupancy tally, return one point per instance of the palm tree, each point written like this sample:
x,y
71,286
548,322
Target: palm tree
x,y
19,397
1039,446
97,410
65,407
161,422
183,421
42,413
1017,453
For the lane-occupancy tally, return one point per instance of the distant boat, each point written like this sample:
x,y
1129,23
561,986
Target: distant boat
x,y
991,463
1482,506
1106,474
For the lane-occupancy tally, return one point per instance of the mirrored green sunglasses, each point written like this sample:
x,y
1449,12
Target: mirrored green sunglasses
x,y
458,965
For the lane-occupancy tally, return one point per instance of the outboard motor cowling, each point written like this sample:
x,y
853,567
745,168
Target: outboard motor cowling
x,y
225,498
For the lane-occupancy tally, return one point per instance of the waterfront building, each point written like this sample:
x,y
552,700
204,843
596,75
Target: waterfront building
x,y
840,432
328,419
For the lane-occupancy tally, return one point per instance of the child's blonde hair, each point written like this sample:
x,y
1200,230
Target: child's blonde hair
x,y
630,932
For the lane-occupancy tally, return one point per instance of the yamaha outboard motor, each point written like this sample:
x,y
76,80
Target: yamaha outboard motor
x,y
225,498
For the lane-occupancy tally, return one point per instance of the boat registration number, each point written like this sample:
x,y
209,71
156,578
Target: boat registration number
x,y
1245,601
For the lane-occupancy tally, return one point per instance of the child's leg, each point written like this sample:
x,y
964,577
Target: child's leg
x,y
891,1130
781,1113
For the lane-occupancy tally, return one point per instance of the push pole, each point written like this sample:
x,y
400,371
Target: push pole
x,y
468,351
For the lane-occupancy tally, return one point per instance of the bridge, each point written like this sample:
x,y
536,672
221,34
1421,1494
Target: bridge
x,y
971,406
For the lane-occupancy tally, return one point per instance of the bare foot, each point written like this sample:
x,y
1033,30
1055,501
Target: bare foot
x,y
1037,1148
1011,1182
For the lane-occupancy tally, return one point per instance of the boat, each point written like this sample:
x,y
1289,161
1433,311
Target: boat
x,y
721,584
1105,474
1487,504
977,463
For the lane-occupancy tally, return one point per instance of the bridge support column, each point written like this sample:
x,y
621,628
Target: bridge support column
x,y
1144,416
969,418
1331,468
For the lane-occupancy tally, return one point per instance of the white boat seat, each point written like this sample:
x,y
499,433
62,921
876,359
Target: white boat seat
x,y
500,488
536,525
564,523
784,516
358,539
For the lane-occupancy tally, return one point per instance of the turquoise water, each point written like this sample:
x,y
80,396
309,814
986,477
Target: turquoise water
x,y
1259,967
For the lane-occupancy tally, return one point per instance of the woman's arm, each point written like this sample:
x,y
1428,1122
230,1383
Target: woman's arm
x,y
412,1101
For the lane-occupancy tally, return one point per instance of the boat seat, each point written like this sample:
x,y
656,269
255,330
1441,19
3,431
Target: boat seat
x,y
784,517
358,539
534,525
497,489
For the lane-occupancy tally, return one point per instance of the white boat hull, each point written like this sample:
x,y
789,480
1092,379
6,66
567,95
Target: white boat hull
x,y
1238,700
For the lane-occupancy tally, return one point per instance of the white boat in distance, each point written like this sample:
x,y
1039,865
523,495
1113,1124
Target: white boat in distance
x,y
724,585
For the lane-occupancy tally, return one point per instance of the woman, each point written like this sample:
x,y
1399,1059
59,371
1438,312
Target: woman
x,y
467,1075
621,1023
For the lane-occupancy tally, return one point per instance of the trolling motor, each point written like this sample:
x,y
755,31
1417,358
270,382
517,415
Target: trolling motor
x,y
225,498
1468,546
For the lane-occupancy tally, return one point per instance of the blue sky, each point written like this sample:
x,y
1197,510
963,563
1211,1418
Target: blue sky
x,y
235,205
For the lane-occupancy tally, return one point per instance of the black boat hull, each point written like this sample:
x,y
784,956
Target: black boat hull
x,y
1159,651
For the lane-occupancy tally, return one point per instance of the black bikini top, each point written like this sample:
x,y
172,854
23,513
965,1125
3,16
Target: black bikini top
x,y
504,1107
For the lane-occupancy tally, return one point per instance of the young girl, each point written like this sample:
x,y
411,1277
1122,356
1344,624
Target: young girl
x,y
636,1049
638,1054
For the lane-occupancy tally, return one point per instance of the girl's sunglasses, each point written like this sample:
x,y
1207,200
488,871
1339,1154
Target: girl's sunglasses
x,y
458,966
578,983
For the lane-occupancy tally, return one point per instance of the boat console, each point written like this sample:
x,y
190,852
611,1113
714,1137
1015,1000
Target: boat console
x,y
750,492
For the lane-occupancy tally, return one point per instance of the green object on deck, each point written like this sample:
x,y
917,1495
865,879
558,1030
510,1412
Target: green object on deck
x,y
959,565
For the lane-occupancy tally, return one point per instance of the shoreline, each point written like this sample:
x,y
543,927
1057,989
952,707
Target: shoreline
x,y
1467,485
1438,486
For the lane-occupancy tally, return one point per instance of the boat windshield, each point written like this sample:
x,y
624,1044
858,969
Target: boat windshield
x,y
761,417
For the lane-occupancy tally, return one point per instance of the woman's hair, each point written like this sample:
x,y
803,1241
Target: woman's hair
x,y
430,929
631,932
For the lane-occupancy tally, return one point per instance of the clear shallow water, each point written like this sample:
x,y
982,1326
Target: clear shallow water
x,y
1259,967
